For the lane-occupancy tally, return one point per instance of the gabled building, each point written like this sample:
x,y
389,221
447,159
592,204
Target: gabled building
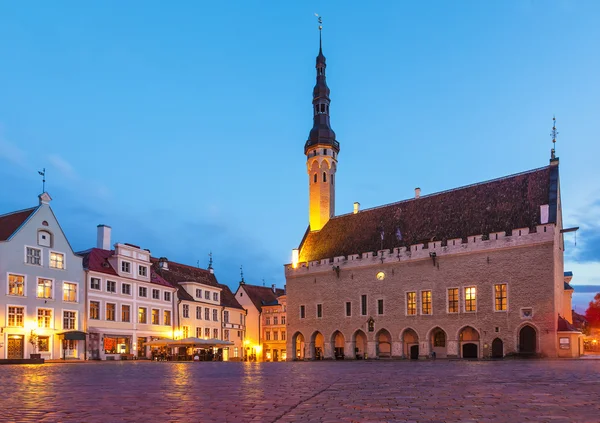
x,y
475,271
42,296
206,309
254,298
128,303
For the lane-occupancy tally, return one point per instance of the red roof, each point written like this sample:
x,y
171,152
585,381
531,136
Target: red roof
x,y
96,260
494,206
10,222
262,295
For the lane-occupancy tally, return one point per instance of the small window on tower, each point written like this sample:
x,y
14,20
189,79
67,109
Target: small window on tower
x,y
315,178
316,108
324,177
332,179
327,108
325,151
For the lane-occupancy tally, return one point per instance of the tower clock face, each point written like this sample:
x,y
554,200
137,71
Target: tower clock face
x,y
380,276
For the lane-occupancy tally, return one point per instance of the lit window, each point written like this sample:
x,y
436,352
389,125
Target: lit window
x,y
57,261
185,331
34,256
411,303
43,343
125,313
267,321
268,335
110,312
425,302
155,316
186,311
198,332
500,297
69,320
94,310
69,292
125,267
167,317
283,335
470,299
143,270
453,300
142,318
44,288
207,333
44,318
15,316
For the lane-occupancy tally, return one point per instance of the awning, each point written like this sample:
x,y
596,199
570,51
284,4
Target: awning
x,y
73,335
160,343
200,342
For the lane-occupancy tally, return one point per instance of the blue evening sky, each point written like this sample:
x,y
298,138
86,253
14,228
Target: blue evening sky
x,y
182,124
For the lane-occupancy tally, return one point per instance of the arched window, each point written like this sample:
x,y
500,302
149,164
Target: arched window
x,y
324,177
315,178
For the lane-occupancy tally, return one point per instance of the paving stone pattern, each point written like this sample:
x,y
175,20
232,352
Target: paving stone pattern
x,y
433,391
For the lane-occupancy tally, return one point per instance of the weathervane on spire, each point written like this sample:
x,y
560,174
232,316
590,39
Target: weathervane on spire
x,y
42,173
553,134
210,260
320,19
242,272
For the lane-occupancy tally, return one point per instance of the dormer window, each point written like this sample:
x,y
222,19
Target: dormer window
x,y
44,239
143,271
215,296
125,267
206,295
198,293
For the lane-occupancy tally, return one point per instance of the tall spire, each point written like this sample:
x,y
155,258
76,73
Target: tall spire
x,y
321,132
553,134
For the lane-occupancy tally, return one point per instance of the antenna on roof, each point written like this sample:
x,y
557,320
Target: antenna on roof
x,y
42,173
242,272
553,134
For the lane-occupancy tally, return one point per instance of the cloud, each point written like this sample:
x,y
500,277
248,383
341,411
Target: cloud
x,y
64,167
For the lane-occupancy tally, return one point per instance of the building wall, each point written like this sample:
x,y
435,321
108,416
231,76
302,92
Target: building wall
x,y
192,323
275,349
524,263
13,261
235,327
100,328
252,340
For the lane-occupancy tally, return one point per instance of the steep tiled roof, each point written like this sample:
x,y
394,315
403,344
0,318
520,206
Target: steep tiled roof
x,y
494,206
262,295
178,273
579,320
565,326
96,259
228,299
10,222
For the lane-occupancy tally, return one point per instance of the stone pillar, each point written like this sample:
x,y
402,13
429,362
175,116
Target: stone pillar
x,y
371,350
397,349
452,349
310,354
424,350
349,351
328,351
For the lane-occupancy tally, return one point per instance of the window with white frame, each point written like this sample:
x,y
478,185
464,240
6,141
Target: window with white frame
x,y
186,311
69,292
206,295
95,283
156,294
198,332
206,313
69,320
111,286
44,288
167,296
207,333
125,267
33,256
155,316
143,270
126,288
185,331
16,285
426,302
44,317
111,310
125,313
470,299
94,310
216,333
16,316
198,313
57,260
215,315
143,291
215,296
142,315
198,293
167,317
226,316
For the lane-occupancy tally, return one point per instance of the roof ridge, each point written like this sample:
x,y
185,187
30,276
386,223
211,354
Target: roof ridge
x,y
19,211
502,178
188,266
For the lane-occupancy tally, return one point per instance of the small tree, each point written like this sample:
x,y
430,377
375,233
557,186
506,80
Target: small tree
x,y
592,314
33,340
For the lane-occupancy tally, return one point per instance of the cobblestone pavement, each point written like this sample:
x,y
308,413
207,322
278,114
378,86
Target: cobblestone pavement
x,y
433,391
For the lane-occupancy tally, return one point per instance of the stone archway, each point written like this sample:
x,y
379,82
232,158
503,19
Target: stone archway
x,y
469,342
298,343
410,340
527,340
497,348
338,342
359,341
438,341
318,345
383,341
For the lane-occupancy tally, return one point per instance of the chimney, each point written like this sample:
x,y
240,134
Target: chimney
x,y
417,192
356,207
103,239
273,288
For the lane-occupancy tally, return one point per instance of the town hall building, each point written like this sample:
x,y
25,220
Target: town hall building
x,y
472,272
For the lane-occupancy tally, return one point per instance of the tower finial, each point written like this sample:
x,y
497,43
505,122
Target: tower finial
x,y
320,19
242,272
42,173
210,261
553,134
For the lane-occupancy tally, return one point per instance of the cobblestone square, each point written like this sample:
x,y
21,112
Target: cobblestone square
x,y
359,391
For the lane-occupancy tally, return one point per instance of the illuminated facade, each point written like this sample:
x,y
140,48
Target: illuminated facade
x,y
128,304
254,299
274,330
472,272
42,295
